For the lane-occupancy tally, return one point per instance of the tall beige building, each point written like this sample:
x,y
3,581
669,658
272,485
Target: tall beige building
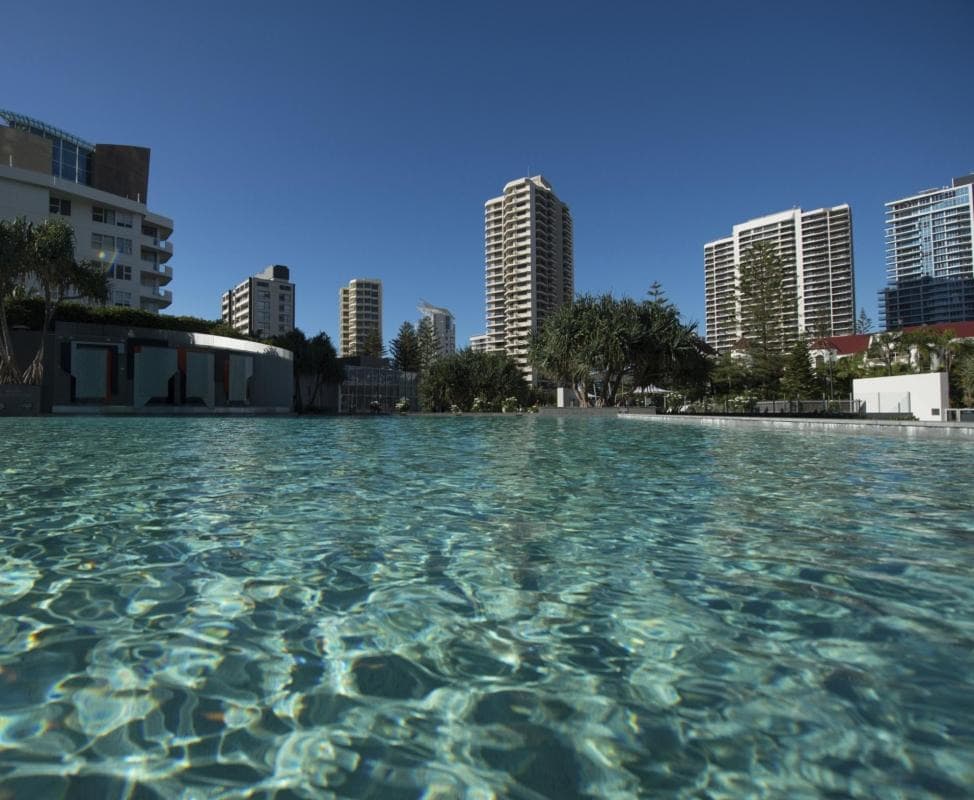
x,y
359,315
529,264
816,248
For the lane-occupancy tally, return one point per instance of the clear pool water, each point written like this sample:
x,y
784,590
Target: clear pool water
x,y
482,607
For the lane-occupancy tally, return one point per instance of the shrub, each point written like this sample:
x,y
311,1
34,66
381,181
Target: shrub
x,y
28,312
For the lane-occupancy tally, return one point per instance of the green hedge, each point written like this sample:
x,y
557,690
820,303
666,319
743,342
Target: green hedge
x,y
29,313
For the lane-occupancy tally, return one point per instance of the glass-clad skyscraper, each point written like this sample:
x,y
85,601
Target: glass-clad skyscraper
x,y
929,262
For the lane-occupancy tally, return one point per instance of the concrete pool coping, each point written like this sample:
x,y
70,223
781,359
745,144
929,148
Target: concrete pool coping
x,y
964,430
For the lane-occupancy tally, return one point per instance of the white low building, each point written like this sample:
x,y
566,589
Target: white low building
x,y
924,395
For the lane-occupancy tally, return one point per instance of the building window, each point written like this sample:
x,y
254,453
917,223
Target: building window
x,y
102,243
60,206
123,219
123,298
104,215
121,272
124,245
70,162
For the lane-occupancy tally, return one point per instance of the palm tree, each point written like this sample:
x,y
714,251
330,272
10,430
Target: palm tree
x,y
14,238
886,347
964,375
50,261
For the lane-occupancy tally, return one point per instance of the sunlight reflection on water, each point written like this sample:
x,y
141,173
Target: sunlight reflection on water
x,y
519,607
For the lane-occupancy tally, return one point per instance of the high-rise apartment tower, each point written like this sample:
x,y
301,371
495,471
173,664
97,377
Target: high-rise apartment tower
x,y
929,260
359,316
444,327
816,250
262,305
529,264
101,191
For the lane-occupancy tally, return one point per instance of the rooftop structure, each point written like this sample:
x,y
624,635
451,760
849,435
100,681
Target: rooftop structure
x,y
101,190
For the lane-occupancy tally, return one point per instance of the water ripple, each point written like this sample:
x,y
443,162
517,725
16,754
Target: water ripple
x,y
482,607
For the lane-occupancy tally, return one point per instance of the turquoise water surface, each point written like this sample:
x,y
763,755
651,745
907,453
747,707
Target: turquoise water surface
x,y
480,607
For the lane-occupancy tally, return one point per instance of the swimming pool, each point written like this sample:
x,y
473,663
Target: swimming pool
x,y
475,607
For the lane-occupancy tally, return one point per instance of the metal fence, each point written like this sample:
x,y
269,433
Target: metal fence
x,y
808,407
371,389
836,408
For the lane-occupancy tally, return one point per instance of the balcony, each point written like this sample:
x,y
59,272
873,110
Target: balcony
x,y
163,247
156,296
161,273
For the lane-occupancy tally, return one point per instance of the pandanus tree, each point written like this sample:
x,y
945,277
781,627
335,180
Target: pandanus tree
x,y
14,244
619,342
51,265
41,258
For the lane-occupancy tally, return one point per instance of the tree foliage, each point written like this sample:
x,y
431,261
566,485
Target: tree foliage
x,y
768,307
427,345
28,312
963,375
472,381
886,347
935,349
52,265
863,324
40,259
799,381
14,248
730,374
404,349
610,343
315,358
373,347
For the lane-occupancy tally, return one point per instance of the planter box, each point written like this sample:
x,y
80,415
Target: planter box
x,y
20,401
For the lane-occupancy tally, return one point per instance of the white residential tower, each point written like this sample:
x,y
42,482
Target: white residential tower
x,y
529,264
816,249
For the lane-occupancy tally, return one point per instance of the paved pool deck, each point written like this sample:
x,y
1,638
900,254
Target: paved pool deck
x,y
960,430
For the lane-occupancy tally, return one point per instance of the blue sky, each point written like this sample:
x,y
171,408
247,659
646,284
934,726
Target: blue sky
x,y
362,139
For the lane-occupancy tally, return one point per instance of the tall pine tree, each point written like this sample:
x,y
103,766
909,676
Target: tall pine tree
x,y
404,349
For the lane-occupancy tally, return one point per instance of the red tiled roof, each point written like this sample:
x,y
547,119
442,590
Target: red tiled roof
x,y
843,345
859,342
